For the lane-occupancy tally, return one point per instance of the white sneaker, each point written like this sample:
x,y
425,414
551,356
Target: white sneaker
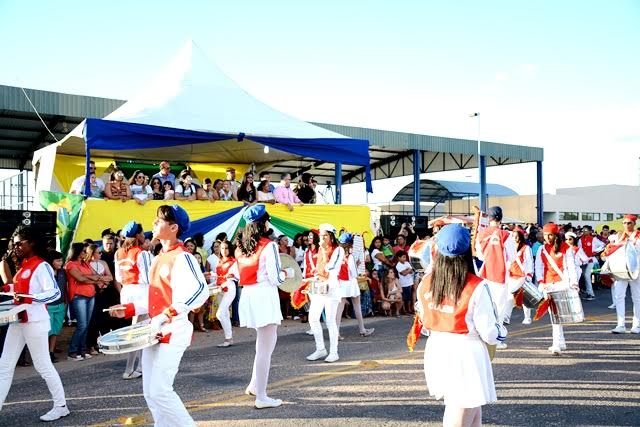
x,y
635,330
619,330
526,322
56,413
612,307
563,346
268,403
316,355
131,375
502,346
309,332
333,357
555,350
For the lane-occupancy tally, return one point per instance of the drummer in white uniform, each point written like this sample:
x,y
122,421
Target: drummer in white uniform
x,y
348,279
632,236
555,271
459,313
176,287
520,270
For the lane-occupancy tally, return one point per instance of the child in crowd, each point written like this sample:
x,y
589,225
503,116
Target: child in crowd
x,y
393,295
169,193
57,308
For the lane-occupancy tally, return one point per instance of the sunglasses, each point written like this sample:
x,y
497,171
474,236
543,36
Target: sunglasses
x,y
627,222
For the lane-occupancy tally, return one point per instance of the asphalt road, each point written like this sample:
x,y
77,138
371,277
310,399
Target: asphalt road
x,y
376,382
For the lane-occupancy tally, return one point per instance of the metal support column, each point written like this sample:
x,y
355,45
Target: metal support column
x,y
416,182
483,183
539,193
338,183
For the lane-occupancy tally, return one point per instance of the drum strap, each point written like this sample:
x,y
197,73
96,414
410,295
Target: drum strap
x,y
553,263
519,262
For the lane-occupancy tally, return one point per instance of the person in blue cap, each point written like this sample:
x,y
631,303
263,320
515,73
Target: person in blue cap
x,y
259,308
132,267
176,286
458,312
348,279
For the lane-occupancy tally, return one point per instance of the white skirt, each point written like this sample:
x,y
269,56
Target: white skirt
x,y
349,288
259,306
134,293
457,368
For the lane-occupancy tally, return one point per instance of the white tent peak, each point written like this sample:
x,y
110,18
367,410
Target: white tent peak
x,y
191,92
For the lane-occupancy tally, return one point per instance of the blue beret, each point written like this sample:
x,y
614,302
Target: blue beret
x,y
495,212
254,213
182,219
131,229
453,239
345,238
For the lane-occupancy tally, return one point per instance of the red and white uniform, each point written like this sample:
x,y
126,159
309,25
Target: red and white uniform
x,y
260,275
456,362
620,286
348,277
34,277
225,268
580,258
132,271
309,263
176,286
520,269
496,249
591,246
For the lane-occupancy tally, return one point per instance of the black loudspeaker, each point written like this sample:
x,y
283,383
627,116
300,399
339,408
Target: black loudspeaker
x,y
44,222
391,224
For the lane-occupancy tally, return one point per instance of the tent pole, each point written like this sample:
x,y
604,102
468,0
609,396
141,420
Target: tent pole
x,y
416,183
539,194
338,183
87,171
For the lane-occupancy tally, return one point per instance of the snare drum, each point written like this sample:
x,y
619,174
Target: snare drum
x,y
128,339
565,307
8,314
318,288
214,289
622,263
531,296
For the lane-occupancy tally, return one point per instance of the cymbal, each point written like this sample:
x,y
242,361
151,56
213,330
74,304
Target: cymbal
x,y
292,283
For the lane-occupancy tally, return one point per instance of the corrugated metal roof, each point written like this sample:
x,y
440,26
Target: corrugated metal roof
x,y
438,191
412,141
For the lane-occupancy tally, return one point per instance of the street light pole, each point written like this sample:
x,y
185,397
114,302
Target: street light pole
x,y
482,169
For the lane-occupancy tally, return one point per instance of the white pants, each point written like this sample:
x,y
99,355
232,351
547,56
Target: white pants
x,y
557,332
223,309
159,368
500,296
330,306
620,292
36,336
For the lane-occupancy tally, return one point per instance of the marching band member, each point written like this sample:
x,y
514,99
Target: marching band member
x,y
132,266
329,260
259,308
555,271
348,280
35,277
629,234
497,249
176,287
227,276
458,311
579,256
520,269
592,246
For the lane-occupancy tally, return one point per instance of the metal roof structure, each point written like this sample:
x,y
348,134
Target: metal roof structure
x,y
440,191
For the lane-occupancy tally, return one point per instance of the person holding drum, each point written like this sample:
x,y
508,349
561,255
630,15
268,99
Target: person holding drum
x,y
132,266
227,276
631,236
555,271
176,287
330,258
520,270
592,246
458,311
348,279
259,307
497,249
35,278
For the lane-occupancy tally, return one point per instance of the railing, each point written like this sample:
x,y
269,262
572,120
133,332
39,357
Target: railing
x,y
14,192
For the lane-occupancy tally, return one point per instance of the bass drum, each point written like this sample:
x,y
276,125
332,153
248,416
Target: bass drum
x,y
623,263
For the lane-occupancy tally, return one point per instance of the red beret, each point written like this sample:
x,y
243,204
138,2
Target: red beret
x,y
519,229
550,228
630,217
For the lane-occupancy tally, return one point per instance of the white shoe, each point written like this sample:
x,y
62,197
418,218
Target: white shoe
x,y
502,346
526,322
268,403
226,343
56,413
131,375
563,346
507,320
367,332
340,338
619,330
635,330
316,355
309,332
555,350
249,391
612,307
333,357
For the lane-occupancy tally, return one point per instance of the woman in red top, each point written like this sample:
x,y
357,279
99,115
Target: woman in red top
x,y
227,278
82,290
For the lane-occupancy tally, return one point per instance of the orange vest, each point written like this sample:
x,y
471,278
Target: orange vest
x,y
550,275
343,274
127,264
587,245
222,269
448,317
515,270
310,261
323,260
248,265
492,245
21,285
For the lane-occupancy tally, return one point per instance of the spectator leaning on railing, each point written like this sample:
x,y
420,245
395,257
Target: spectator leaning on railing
x,y
77,186
264,195
284,194
165,174
265,176
118,188
140,192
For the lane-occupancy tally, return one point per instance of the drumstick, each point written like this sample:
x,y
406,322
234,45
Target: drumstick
x,y
104,310
11,294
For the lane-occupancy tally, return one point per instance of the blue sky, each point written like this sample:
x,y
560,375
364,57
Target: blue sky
x,y
561,75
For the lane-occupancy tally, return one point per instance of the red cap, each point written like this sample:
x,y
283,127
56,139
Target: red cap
x,y
519,229
438,223
630,217
550,228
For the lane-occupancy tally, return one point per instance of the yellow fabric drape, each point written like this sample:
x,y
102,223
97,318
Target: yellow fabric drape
x,y
68,168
